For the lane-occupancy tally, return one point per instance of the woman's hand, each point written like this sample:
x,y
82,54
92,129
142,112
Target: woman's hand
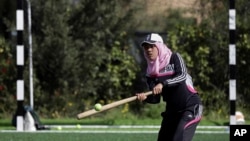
x,y
141,96
158,88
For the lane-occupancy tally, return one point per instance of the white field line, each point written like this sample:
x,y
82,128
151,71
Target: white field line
x,y
115,129
100,132
105,126
128,126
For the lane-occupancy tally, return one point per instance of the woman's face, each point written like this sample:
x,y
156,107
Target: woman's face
x,y
151,51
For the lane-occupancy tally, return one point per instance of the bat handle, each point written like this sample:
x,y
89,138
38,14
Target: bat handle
x,y
148,93
145,94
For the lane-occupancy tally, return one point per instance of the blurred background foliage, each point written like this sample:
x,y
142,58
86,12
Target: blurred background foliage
x,y
88,51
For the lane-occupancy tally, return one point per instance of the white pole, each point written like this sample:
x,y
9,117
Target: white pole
x,y
20,65
232,61
30,56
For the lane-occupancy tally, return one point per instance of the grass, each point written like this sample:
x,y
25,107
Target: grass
x,y
100,136
6,123
72,134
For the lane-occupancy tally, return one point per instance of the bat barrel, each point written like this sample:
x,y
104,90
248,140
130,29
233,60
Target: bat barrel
x,y
109,106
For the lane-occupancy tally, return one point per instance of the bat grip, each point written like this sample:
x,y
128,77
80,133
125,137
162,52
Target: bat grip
x,y
148,93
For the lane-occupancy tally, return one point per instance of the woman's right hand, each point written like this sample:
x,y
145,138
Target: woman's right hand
x,y
141,96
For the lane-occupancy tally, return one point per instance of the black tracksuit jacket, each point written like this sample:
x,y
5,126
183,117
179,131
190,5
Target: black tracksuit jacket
x,y
178,91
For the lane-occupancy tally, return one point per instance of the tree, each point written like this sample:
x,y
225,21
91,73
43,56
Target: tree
x,y
7,78
243,49
101,32
81,53
7,14
55,58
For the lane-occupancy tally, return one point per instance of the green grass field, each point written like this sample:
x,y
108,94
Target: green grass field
x,y
71,136
8,132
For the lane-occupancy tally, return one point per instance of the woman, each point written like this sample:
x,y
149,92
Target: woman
x,y
167,77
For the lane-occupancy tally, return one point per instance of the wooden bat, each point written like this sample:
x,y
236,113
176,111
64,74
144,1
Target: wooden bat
x,y
109,106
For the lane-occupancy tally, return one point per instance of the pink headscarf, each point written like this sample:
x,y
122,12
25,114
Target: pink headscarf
x,y
164,55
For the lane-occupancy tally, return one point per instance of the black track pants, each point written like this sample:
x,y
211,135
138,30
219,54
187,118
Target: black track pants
x,y
180,126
